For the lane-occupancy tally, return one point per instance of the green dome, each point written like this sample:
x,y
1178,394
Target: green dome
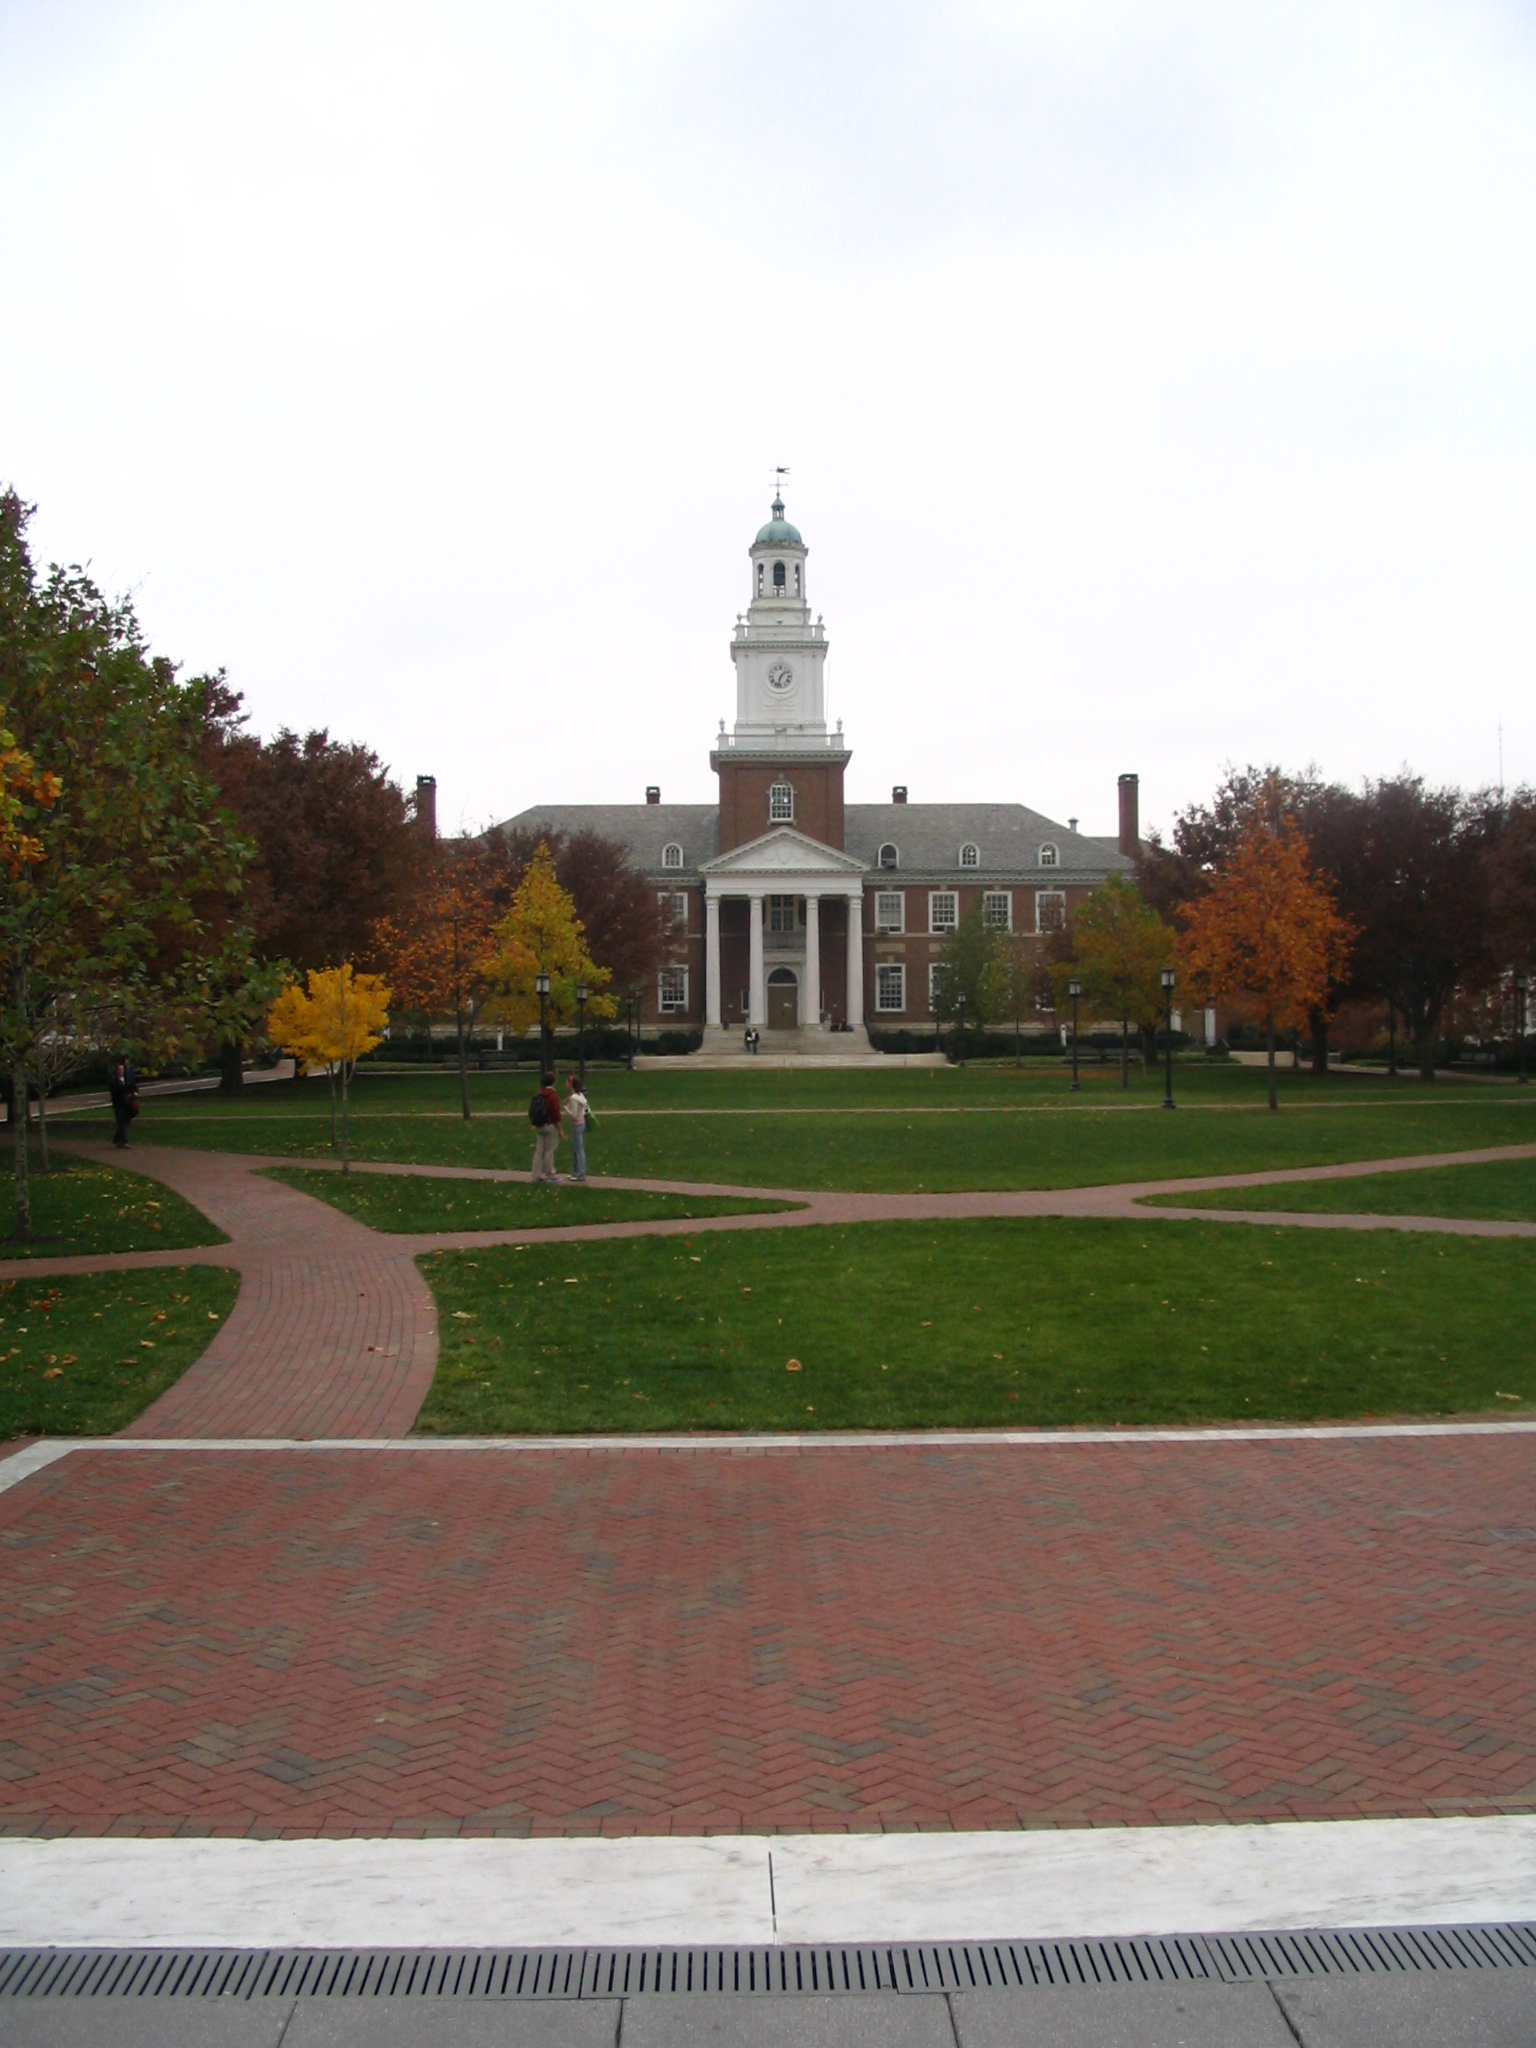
x,y
778,531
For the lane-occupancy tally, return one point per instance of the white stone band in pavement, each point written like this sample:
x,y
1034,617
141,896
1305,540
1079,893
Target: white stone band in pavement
x,y
754,1889
20,1464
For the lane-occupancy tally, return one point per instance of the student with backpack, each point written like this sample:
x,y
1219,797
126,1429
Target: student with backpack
x,y
544,1115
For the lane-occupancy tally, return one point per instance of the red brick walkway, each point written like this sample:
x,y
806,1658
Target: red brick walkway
x,y
421,1639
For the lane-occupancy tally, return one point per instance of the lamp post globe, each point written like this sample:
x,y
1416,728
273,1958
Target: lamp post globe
x,y
1166,978
960,1026
1074,990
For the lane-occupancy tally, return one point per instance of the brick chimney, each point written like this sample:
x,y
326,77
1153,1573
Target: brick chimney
x,y
1130,816
899,793
426,804
653,793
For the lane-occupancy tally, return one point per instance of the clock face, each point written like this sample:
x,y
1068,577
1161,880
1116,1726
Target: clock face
x,y
780,676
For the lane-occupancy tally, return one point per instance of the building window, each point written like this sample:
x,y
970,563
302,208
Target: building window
x,y
759,579
890,907
672,855
797,579
890,989
1050,909
888,856
672,989
781,913
970,855
935,969
781,804
943,910
997,910
778,575
1049,857
674,908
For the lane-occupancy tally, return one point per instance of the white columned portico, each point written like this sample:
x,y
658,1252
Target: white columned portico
x,y
810,981
712,962
856,959
757,988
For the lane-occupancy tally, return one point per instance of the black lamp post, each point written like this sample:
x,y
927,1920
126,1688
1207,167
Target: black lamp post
x,y
1166,978
1391,1041
1522,990
1074,990
629,1030
582,992
541,983
960,1026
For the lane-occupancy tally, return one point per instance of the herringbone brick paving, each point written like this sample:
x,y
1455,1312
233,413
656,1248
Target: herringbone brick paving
x,y
578,1641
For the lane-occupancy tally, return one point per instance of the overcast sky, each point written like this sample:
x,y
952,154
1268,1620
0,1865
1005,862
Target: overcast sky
x,y
1157,382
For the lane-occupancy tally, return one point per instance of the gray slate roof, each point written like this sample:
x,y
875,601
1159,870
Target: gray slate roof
x,y
928,837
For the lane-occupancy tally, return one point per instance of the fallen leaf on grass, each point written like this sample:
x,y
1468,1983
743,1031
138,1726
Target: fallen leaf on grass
x,y
54,1372
794,1365
464,1315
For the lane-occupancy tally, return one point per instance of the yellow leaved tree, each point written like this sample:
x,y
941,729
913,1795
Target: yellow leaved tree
x,y
541,934
1267,932
331,1022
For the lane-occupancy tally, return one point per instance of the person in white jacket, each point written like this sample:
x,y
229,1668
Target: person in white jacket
x,y
574,1116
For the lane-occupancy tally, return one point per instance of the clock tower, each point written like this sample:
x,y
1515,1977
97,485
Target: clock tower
x,y
780,765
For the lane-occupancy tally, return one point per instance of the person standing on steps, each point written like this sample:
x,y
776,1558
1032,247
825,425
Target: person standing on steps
x,y
577,1113
544,1115
123,1093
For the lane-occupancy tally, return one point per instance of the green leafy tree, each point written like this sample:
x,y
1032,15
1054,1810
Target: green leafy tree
x,y
1119,948
110,936
965,981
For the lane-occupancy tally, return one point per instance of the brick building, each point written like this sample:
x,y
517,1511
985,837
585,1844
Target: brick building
x,y
794,909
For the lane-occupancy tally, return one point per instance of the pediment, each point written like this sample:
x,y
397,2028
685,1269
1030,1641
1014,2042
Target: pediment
x,y
781,852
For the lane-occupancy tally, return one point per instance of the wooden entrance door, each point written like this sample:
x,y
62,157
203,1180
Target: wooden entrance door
x,y
783,1001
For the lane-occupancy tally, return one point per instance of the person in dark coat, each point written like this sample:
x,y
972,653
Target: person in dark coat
x,y
123,1088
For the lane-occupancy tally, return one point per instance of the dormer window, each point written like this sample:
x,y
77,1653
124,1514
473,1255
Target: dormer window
x,y
781,804
1049,857
778,575
888,856
970,855
672,855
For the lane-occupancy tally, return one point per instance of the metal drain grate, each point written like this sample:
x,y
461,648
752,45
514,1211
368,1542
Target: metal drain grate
x,y
899,1968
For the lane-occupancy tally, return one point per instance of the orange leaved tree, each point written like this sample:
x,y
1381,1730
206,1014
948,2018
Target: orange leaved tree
x,y
1267,932
434,953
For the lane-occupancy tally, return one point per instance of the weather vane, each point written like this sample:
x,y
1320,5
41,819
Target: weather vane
x,y
780,473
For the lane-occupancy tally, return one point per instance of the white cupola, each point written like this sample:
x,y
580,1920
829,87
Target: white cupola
x,y
778,652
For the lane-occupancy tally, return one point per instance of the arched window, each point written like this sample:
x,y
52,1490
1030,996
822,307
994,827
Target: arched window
x,y
797,579
672,855
888,856
759,579
970,855
781,804
778,575
1048,855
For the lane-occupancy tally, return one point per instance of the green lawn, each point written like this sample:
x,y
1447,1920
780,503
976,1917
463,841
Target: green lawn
x,y
1505,1190
977,1324
909,1128
82,1355
409,1203
80,1208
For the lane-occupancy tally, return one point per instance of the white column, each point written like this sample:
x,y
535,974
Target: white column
x,y
810,981
856,960
757,997
712,962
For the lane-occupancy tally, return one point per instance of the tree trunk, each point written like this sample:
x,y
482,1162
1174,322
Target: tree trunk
x,y
1269,1046
19,1150
1319,1023
463,1067
330,1082
42,1130
231,1066
1424,1047
1391,1043
344,1166
1125,1052
1018,1044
